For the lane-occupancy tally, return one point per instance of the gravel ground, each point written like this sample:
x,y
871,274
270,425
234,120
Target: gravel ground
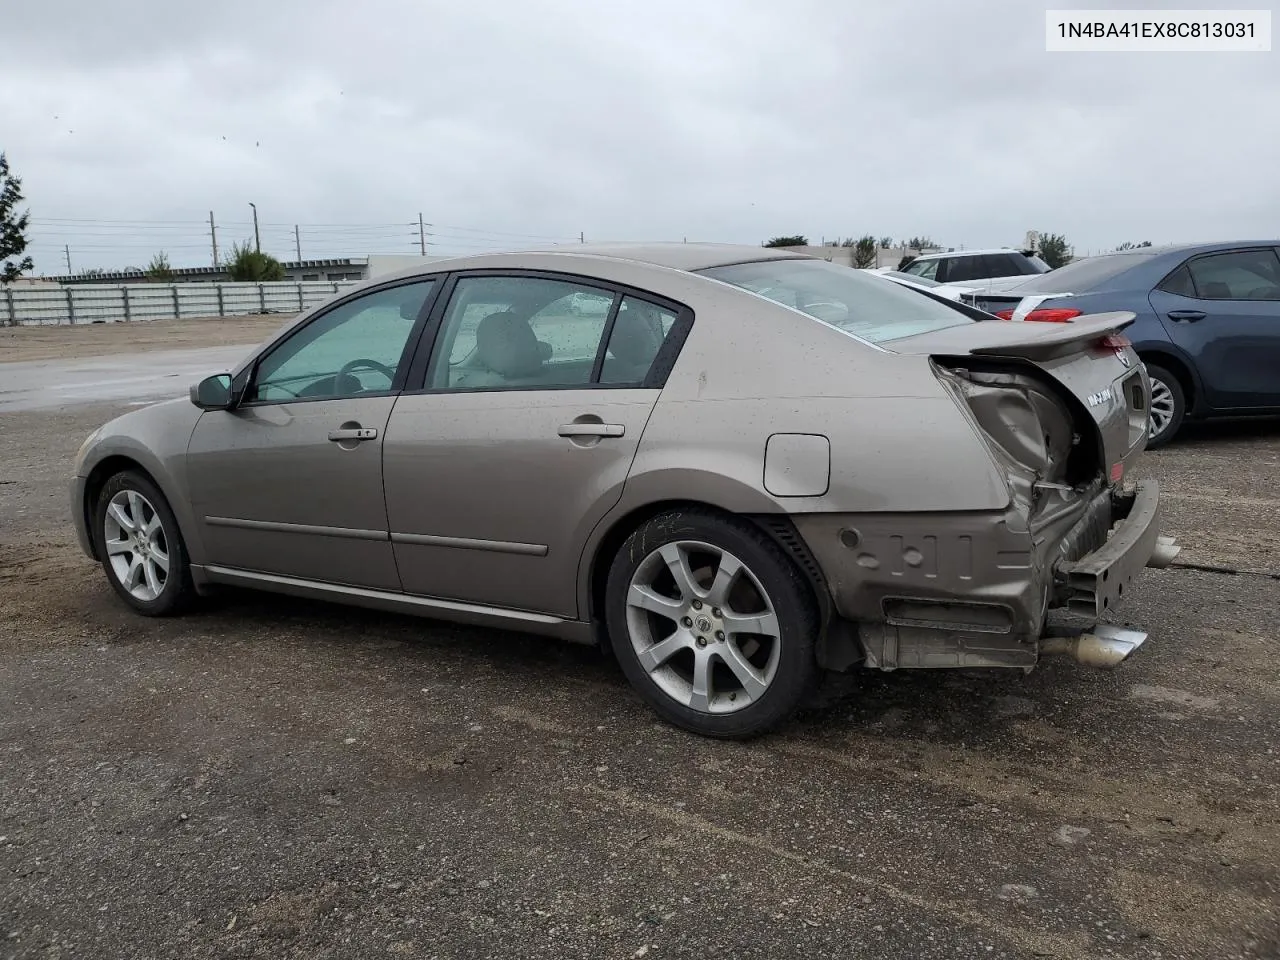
x,y
270,777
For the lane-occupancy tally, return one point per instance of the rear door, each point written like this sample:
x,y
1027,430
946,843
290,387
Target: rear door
x,y
519,439
1223,309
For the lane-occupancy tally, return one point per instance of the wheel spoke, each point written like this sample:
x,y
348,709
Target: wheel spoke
x,y
678,564
121,516
135,508
152,580
151,525
753,682
161,558
700,695
646,598
655,656
765,624
116,547
726,575
131,577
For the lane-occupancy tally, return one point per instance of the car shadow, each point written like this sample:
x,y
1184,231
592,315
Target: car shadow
x,y
1207,433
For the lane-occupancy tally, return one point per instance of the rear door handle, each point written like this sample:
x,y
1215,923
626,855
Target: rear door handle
x,y
592,430
353,433
1186,316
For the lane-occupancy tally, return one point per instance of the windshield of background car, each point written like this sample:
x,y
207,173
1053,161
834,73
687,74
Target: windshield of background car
x,y
1081,275
847,299
912,278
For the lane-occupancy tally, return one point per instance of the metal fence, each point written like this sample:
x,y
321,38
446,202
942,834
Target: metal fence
x,y
114,303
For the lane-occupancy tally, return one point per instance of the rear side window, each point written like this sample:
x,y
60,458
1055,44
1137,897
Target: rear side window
x,y
1179,283
924,268
960,269
1240,275
851,300
639,332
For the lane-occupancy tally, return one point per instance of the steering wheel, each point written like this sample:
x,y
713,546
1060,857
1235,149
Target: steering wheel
x,y
364,364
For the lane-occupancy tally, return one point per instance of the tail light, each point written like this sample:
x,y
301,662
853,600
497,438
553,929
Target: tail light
x,y
1047,315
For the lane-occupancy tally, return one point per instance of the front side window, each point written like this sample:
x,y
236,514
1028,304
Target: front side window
x,y
1242,275
851,300
526,332
354,349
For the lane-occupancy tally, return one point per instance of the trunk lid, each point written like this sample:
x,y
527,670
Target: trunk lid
x,y
1030,384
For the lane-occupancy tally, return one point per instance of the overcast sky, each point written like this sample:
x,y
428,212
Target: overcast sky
x,y
508,121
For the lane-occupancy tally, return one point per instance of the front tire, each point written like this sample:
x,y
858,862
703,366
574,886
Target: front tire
x,y
141,547
712,623
1168,406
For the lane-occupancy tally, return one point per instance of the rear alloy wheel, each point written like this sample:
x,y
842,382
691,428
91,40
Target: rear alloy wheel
x,y
1168,406
141,548
712,623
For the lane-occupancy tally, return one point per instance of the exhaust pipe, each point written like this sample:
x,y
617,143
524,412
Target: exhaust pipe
x,y
1164,553
1105,646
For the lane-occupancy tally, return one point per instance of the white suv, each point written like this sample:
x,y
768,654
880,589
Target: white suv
x,y
966,266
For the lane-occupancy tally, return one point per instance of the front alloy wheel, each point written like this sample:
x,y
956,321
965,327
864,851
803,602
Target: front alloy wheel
x,y
140,545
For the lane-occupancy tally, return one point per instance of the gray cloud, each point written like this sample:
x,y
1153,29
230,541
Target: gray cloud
x,y
723,119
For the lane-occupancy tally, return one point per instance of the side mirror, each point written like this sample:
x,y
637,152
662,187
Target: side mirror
x,y
213,393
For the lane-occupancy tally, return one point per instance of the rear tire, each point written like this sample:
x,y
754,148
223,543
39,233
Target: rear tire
x,y
1168,406
712,623
141,547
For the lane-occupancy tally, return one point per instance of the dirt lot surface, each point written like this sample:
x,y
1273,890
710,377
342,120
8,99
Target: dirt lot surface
x,y
106,339
276,778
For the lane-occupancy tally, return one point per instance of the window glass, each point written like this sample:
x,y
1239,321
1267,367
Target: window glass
x,y
851,300
960,269
530,332
355,348
1243,275
923,268
1179,283
637,336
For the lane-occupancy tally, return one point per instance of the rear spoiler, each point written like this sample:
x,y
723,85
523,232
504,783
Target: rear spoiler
x,y
1044,341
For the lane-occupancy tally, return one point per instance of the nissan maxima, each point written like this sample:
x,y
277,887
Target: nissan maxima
x,y
736,467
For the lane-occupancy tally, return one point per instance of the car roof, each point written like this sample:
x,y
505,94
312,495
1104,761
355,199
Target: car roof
x,y
688,257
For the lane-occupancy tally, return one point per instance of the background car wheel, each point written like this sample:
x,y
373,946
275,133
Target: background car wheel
x,y
712,623
141,547
1168,406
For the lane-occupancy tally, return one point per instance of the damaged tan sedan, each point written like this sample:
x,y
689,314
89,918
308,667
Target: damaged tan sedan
x,y
737,467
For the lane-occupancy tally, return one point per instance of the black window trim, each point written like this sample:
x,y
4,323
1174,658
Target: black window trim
x,y
246,377
1205,254
663,363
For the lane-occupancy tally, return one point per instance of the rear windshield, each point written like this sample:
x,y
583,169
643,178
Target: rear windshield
x,y
1081,275
851,300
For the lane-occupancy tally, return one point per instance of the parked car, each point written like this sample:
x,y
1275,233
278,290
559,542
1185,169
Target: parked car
x,y
748,466
1208,322
952,291
964,266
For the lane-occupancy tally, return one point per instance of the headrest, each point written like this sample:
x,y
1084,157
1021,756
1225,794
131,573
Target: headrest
x,y
507,345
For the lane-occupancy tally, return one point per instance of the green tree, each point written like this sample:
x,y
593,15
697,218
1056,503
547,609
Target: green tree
x,y
794,240
920,243
1132,246
248,265
1054,250
13,226
158,269
886,243
91,273
864,252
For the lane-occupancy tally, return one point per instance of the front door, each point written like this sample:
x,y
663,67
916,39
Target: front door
x,y
290,481
1223,309
530,415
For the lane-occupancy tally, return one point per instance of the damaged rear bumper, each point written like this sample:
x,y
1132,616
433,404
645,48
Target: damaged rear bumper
x,y
1095,582
975,589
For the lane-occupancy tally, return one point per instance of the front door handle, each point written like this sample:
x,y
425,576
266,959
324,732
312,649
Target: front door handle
x,y
592,430
353,433
1186,316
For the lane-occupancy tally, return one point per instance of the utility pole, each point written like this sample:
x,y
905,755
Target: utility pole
x,y
582,237
67,250
257,241
213,238
422,236
297,242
